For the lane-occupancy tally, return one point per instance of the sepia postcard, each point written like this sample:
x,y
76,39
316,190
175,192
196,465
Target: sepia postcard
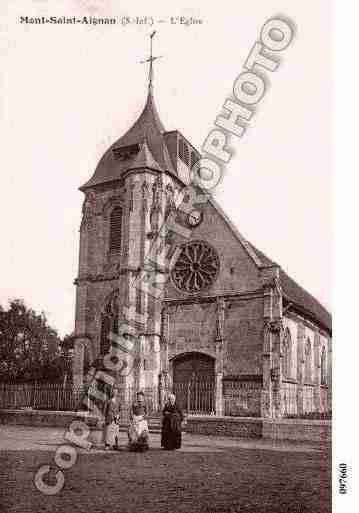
x,y
166,267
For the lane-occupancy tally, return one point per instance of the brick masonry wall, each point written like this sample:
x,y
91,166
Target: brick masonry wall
x,y
319,431
224,426
44,418
299,430
242,427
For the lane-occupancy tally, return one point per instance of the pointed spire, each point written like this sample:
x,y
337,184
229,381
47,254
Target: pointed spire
x,y
148,126
147,132
144,159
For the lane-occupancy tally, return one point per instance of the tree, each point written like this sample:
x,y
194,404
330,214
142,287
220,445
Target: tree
x,y
29,347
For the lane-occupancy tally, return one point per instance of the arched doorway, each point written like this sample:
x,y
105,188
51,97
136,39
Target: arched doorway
x,y
194,382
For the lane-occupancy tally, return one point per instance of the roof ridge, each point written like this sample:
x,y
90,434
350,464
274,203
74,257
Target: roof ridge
x,y
246,245
304,290
291,289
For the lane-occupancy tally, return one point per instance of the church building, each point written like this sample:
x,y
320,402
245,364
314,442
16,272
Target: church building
x,y
232,328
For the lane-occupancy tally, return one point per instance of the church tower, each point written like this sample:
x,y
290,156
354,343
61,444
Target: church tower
x,y
126,200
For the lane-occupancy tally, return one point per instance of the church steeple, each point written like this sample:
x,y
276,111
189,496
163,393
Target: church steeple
x,y
169,150
149,120
149,129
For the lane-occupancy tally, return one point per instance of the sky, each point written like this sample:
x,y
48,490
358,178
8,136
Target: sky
x,y
69,91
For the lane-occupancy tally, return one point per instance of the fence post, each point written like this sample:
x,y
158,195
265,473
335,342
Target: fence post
x,y
188,397
33,402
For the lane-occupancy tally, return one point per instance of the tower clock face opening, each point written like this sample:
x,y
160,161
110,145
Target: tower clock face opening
x,y
195,218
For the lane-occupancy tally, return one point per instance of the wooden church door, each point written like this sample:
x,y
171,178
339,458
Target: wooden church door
x,y
194,382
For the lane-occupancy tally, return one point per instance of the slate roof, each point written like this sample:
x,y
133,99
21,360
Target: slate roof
x,y
301,300
147,129
294,293
305,302
144,159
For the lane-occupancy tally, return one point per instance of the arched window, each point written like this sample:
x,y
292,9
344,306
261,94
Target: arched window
x,y
308,362
323,367
115,230
287,360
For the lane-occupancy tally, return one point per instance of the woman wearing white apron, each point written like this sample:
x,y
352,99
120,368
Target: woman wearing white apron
x,y
138,435
111,428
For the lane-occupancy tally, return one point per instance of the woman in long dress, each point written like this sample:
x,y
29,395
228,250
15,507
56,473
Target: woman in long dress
x,y
138,436
111,419
171,435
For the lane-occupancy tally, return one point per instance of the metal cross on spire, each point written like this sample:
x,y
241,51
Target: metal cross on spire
x,y
150,60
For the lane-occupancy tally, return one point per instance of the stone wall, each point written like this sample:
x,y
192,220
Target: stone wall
x,y
243,336
244,427
307,342
238,272
298,430
192,328
44,418
319,431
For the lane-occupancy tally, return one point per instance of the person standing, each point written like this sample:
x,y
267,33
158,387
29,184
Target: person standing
x,y
138,435
111,420
171,433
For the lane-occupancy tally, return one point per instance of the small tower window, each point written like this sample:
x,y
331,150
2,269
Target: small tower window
x,y
126,152
115,230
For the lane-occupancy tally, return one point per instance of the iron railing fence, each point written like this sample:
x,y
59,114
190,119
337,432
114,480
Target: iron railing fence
x,y
304,400
54,396
289,399
196,397
242,398
40,396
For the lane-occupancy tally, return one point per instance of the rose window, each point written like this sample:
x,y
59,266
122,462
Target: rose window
x,y
196,267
